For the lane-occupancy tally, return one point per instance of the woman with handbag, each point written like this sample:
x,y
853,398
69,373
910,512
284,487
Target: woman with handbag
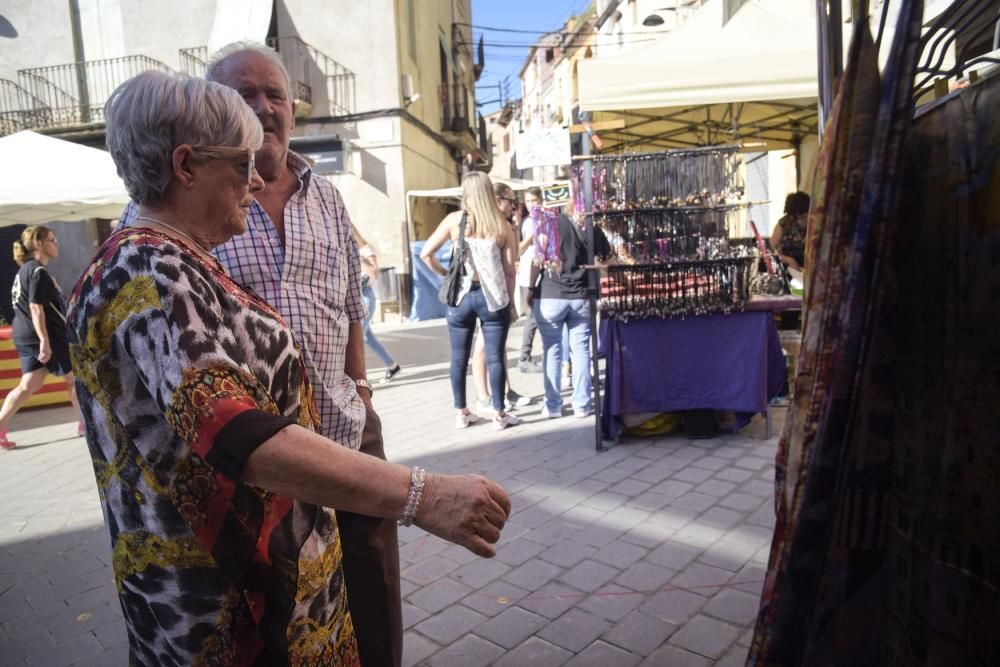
x,y
478,285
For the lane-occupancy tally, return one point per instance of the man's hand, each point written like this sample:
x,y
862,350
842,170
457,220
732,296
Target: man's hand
x,y
530,298
354,359
44,351
465,509
366,396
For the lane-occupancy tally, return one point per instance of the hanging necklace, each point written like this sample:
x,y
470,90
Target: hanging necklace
x,y
175,230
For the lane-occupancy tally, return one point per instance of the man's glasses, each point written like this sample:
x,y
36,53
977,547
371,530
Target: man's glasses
x,y
512,200
231,153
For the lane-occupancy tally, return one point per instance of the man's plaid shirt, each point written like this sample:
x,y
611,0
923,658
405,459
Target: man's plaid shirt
x,y
314,281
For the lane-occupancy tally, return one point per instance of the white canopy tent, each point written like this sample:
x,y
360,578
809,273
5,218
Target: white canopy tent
x,y
767,51
455,193
753,79
516,184
43,179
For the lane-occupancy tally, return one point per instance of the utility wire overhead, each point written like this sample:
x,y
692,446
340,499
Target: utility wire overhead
x,y
562,45
515,60
571,42
526,32
559,31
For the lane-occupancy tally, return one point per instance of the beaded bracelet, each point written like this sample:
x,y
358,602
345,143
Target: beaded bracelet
x,y
413,497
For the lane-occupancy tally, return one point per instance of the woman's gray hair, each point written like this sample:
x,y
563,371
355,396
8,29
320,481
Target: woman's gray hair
x,y
213,71
154,112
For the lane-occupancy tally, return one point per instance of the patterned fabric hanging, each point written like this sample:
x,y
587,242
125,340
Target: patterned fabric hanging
x,y
884,549
546,237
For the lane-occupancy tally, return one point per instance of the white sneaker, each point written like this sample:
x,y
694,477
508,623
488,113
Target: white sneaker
x,y
466,420
500,422
550,415
583,414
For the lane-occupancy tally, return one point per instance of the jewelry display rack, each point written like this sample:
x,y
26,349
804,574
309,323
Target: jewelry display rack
x,y
667,216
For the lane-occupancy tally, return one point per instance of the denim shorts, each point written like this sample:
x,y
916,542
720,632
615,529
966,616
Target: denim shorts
x,y
59,364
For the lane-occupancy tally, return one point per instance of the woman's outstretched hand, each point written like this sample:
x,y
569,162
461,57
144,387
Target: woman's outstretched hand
x,y
469,510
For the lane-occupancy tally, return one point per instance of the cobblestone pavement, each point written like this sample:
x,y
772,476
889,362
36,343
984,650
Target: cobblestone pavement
x,y
652,553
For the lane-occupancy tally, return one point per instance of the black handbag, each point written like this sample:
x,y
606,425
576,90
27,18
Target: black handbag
x,y
452,283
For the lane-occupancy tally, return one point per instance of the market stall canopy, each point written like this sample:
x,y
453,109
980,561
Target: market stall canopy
x,y
516,184
43,179
754,78
766,51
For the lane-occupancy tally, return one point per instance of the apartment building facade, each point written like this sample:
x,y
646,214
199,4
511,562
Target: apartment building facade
x,y
548,86
384,88
501,131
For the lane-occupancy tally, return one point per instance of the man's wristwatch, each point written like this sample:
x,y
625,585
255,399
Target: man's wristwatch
x,y
366,384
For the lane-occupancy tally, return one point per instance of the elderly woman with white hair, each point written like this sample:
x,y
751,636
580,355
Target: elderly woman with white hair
x,y
216,488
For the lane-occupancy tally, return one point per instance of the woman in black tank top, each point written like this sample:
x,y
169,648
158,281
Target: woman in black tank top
x,y
39,328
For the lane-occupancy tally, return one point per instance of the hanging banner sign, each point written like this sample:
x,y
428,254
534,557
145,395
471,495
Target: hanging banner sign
x,y
542,147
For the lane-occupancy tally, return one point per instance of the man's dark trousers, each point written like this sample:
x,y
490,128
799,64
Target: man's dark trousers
x,y
371,572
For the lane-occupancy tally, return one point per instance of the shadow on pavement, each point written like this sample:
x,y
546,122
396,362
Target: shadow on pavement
x,y
24,447
58,596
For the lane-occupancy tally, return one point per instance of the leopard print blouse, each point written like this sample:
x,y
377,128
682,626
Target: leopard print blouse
x,y
181,374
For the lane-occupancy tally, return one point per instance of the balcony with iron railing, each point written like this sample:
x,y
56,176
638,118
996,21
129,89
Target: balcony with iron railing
x,y
20,110
458,115
328,87
75,93
194,60
320,85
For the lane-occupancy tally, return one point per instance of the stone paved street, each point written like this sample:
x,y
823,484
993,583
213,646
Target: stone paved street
x,y
652,553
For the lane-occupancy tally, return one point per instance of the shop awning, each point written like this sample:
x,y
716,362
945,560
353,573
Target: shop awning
x,y
43,179
752,79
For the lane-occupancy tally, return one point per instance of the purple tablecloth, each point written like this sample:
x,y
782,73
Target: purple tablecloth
x,y
722,362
